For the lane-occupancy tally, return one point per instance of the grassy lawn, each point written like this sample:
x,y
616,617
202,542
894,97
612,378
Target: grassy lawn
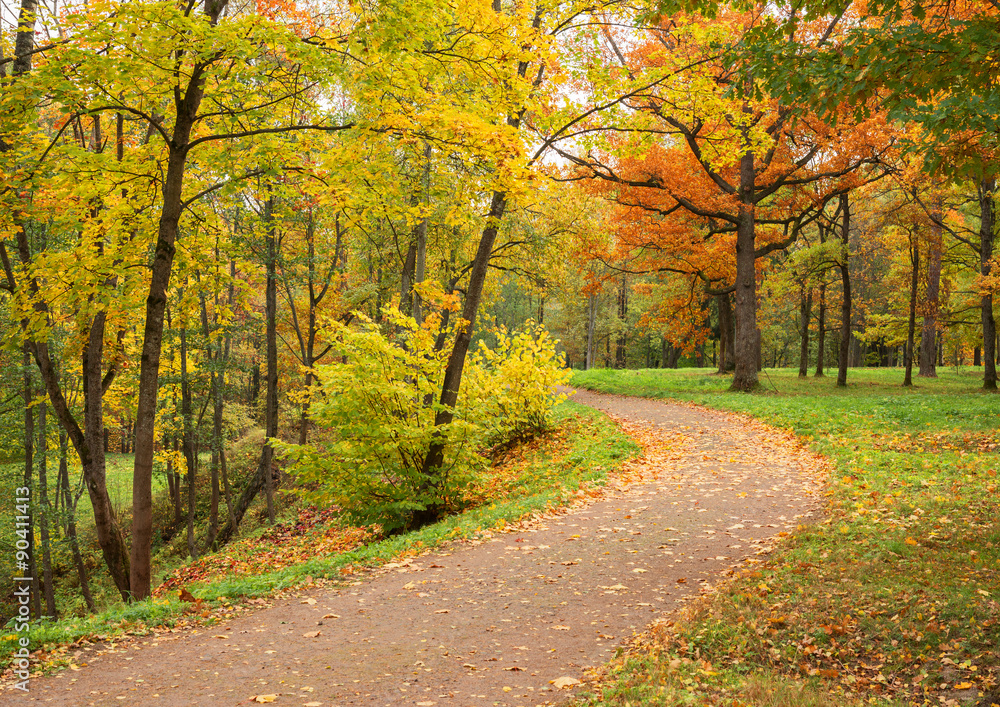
x,y
309,546
118,479
893,598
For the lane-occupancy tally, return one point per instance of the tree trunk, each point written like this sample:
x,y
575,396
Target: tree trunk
x,y
805,310
29,483
845,306
912,323
456,359
928,336
271,401
591,320
745,346
420,235
46,512
622,339
987,226
190,456
69,506
186,105
726,333
821,330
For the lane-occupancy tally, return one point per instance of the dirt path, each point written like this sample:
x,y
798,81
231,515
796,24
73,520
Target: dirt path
x,y
493,622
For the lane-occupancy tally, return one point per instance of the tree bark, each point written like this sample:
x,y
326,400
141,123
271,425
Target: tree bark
x,y
46,512
845,305
186,105
456,359
746,340
987,228
912,322
29,482
271,400
821,330
622,339
190,456
591,321
805,311
69,506
726,333
420,235
929,333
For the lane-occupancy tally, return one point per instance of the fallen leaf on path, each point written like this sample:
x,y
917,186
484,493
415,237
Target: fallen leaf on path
x,y
564,682
441,611
308,601
260,699
310,634
560,628
330,616
514,667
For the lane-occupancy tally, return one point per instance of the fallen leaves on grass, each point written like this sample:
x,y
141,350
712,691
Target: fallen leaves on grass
x,y
314,533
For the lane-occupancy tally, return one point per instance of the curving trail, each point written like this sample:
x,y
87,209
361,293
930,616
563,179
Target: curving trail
x,y
491,622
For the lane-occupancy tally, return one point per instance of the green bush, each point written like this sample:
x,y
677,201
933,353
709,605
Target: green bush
x,y
375,419
513,386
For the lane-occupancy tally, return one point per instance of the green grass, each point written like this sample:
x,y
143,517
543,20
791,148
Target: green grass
x,y
894,596
588,447
118,478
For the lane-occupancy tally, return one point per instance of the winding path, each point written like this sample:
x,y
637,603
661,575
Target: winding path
x,y
491,622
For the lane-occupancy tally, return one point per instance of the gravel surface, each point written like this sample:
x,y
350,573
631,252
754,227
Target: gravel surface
x,y
495,621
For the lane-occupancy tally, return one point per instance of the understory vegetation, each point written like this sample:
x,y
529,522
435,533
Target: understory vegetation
x,y
893,597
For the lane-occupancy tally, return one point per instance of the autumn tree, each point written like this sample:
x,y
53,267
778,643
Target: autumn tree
x,y
720,163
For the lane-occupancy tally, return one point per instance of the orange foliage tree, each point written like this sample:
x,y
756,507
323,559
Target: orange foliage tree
x,y
709,173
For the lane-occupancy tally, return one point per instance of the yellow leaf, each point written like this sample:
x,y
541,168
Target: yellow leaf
x,y
911,541
564,682
261,699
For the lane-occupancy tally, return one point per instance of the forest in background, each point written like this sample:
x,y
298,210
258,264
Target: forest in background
x,y
213,212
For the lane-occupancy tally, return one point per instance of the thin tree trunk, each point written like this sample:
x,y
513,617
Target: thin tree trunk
x,y
591,321
456,360
186,105
987,226
69,505
821,330
46,512
421,235
928,336
29,482
845,276
622,339
271,403
805,310
190,456
912,323
726,360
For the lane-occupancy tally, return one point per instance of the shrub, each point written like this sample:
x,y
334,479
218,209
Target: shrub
x,y
513,386
375,416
